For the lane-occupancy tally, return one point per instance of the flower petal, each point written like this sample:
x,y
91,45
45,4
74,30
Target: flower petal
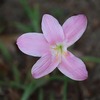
x,y
74,27
73,67
52,30
44,66
33,44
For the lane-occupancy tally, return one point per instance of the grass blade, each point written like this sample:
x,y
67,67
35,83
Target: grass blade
x,y
91,59
32,87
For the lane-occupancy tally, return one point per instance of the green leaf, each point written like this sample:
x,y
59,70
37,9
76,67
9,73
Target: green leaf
x,y
52,96
91,59
22,27
16,74
5,52
27,9
33,14
30,88
36,18
1,29
40,97
65,90
12,84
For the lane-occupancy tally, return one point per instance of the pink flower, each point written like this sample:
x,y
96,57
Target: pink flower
x,y
52,46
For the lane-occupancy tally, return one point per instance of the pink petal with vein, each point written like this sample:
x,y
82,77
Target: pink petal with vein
x,y
33,44
73,67
44,66
74,27
52,30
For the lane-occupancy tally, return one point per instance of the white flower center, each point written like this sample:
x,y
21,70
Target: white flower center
x,y
59,49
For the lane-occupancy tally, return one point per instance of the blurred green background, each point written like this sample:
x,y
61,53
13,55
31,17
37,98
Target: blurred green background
x,y
22,16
